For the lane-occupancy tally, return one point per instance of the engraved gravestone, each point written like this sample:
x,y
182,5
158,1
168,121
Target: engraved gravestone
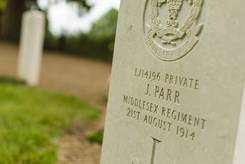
x,y
31,46
177,84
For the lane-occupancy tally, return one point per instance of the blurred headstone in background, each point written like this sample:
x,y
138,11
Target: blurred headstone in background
x,y
31,46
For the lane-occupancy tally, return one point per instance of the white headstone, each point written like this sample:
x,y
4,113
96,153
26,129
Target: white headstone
x,y
31,46
177,84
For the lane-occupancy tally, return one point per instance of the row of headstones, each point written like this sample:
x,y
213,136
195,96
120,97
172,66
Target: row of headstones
x,y
31,46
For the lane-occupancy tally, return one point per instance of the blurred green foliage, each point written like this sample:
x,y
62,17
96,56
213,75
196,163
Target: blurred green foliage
x,y
105,27
32,119
2,5
104,30
96,137
13,10
97,43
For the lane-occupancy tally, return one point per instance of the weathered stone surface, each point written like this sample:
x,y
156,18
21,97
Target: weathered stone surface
x,y
177,82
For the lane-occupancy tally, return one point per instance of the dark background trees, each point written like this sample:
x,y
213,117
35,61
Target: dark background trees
x,y
97,43
12,11
11,17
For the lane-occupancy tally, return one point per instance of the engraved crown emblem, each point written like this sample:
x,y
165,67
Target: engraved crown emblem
x,y
169,34
173,9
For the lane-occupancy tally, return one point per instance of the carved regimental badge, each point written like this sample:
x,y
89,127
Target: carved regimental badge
x,y
171,27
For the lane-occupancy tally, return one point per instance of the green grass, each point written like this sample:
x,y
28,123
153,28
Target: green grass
x,y
96,137
32,120
10,80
